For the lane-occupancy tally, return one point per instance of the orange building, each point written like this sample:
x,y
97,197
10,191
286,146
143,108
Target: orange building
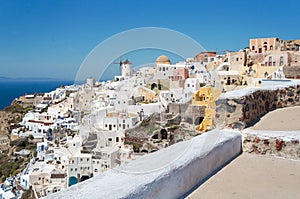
x,y
262,45
205,57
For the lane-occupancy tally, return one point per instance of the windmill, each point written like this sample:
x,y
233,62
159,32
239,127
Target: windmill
x,y
125,67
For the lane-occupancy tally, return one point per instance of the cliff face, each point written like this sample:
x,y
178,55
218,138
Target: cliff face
x,y
8,118
242,111
4,119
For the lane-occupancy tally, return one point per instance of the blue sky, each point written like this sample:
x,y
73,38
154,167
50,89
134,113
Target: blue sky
x,y
51,38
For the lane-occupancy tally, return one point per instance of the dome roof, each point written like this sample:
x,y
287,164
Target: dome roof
x,y
163,59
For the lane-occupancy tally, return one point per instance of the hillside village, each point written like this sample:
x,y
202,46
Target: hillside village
x,y
77,132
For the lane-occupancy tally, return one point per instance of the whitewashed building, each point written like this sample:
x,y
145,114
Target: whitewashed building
x,y
115,121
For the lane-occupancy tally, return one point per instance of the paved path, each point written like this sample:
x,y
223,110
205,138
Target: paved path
x,y
253,176
283,119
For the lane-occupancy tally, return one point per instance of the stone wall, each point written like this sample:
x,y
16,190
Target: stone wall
x,y
241,108
292,72
278,143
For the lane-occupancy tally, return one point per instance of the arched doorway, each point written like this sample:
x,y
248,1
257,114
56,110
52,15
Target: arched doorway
x,y
153,86
73,180
198,120
164,134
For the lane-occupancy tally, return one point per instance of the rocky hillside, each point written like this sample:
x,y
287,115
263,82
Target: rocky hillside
x,y
7,119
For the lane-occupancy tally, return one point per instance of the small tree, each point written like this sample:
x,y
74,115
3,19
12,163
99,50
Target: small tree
x,y
31,137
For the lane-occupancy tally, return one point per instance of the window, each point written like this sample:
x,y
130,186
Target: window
x,y
265,46
109,139
281,61
237,59
271,47
274,63
205,58
270,61
117,139
253,47
81,159
88,159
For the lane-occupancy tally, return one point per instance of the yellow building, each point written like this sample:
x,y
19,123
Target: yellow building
x,y
146,94
260,71
206,96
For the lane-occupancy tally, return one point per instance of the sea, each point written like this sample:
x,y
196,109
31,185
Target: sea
x,y
9,90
